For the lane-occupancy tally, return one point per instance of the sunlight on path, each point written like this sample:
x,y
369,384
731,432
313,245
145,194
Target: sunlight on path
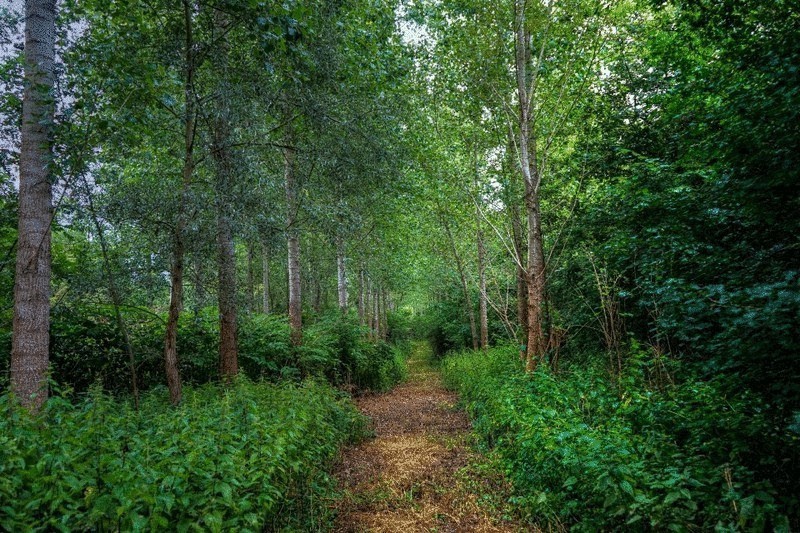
x,y
417,474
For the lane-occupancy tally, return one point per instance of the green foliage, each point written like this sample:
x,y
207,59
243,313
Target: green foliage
x,y
594,453
87,348
446,327
248,458
349,358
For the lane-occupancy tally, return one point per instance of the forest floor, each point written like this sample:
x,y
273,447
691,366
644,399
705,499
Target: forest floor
x,y
420,472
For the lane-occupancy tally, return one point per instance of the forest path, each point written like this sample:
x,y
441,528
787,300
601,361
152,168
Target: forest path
x,y
418,473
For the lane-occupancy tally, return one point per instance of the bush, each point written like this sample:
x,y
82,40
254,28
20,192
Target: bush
x,y
248,458
86,348
590,453
346,357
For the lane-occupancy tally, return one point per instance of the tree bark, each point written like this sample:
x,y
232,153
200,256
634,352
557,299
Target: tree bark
x,y
177,266
369,309
376,304
265,279
534,273
482,307
226,259
293,243
376,313
384,315
251,279
361,317
30,346
341,274
522,286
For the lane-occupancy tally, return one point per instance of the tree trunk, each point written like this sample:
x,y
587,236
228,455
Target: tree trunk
x,y
384,315
534,272
482,310
361,317
369,309
522,286
376,313
265,279
30,346
173,315
535,282
177,265
251,279
226,259
293,241
341,274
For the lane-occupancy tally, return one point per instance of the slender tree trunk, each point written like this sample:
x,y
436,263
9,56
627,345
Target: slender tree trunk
x,y
482,310
522,286
341,274
376,313
177,266
520,252
173,316
464,285
251,279
265,279
116,298
361,317
293,242
535,281
228,344
369,309
384,315
483,318
226,259
534,274
30,346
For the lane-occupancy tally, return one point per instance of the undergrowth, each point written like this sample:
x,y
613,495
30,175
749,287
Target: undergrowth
x,y
86,347
588,452
251,457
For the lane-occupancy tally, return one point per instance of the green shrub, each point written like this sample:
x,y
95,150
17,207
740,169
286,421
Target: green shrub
x,y
379,367
338,345
590,453
264,349
86,348
248,458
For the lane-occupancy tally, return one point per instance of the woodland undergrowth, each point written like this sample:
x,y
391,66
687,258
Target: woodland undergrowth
x,y
588,451
254,455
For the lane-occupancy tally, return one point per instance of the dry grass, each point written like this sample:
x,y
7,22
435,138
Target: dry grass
x,y
415,474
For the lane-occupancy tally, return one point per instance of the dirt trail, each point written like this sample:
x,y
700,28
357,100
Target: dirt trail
x,y
418,473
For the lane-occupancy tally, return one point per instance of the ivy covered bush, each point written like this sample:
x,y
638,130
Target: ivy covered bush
x,y
592,453
250,458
